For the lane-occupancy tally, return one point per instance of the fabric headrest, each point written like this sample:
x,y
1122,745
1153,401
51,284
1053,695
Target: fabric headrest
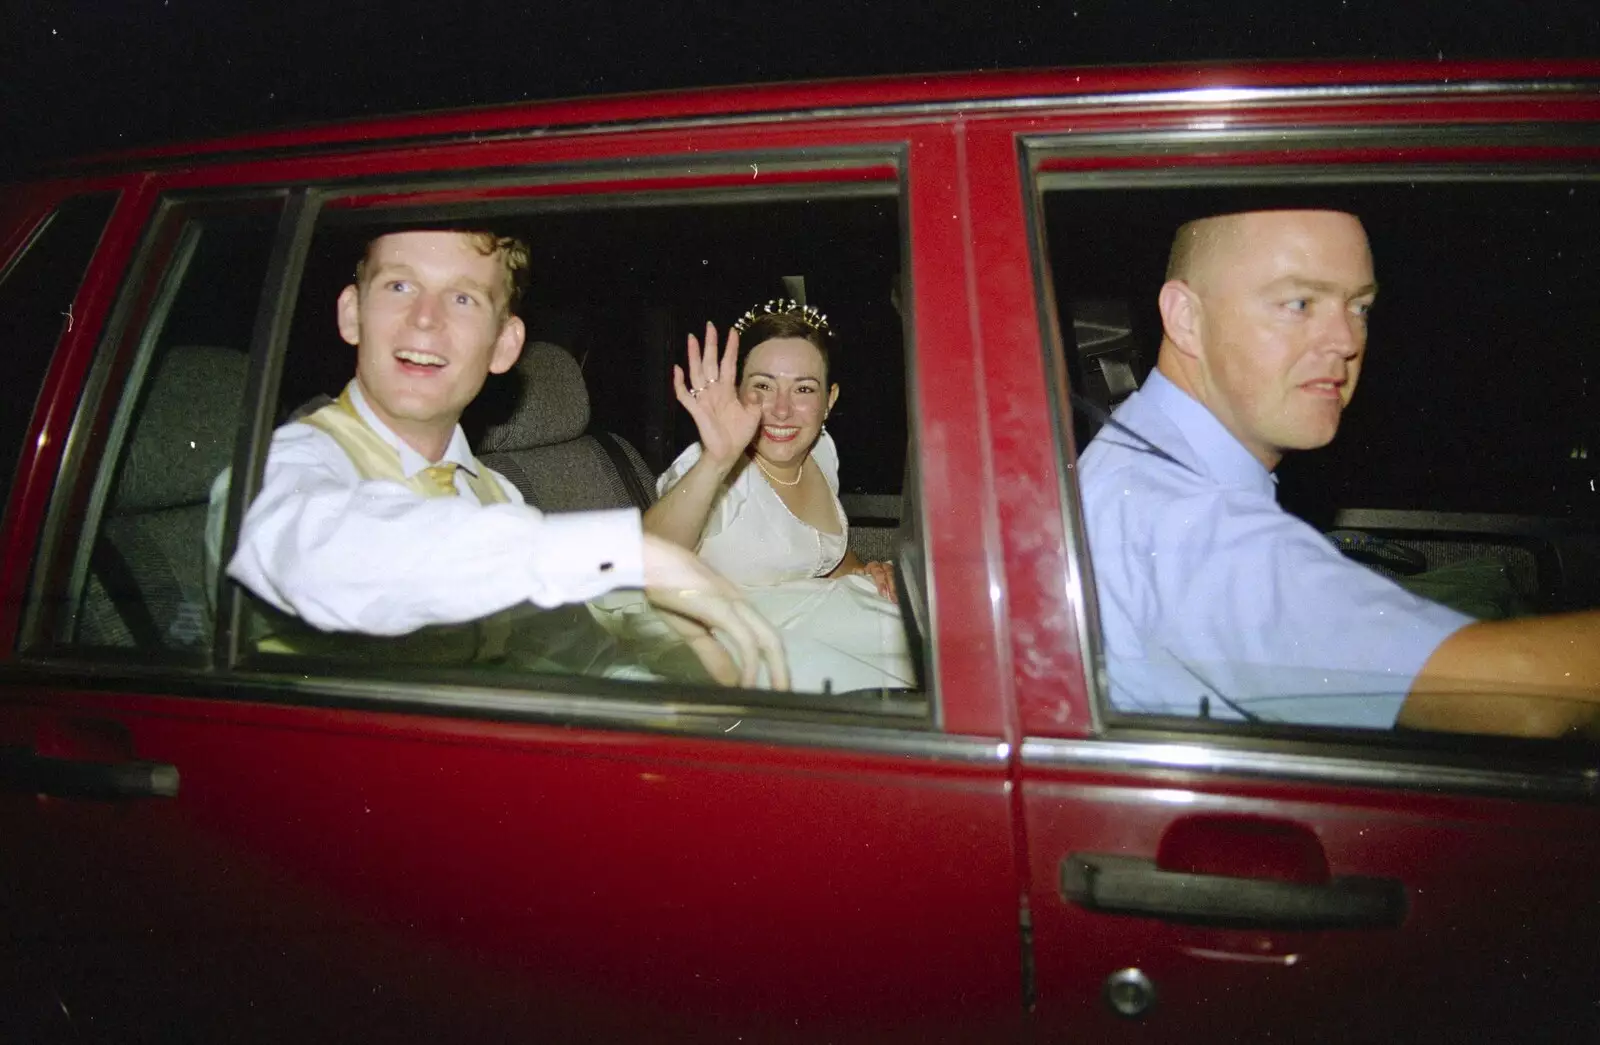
x,y
184,433
553,406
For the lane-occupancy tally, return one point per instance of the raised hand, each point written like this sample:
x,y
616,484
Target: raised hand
x,y
711,395
693,599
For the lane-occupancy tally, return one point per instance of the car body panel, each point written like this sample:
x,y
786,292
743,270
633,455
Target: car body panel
x,y
346,862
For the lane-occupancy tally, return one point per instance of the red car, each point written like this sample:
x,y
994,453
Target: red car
x,y
202,842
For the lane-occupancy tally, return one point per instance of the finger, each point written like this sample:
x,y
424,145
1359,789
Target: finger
x,y
711,654
738,631
696,375
681,392
691,615
753,639
715,659
708,363
882,574
770,644
730,359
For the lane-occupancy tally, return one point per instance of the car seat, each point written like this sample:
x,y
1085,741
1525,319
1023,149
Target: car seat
x,y
546,449
147,575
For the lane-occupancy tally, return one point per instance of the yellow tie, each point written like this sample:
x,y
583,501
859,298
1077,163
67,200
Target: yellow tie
x,y
439,480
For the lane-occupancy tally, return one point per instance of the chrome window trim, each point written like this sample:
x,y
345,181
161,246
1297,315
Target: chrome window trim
x,y
730,721
33,237
913,501
608,178
1270,174
1264,140
1193,756
1213,99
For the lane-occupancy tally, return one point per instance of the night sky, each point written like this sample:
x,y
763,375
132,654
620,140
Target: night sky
x,y
86,76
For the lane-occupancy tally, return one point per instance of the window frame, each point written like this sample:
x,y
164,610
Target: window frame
x,y
98,429
1240,157
851,170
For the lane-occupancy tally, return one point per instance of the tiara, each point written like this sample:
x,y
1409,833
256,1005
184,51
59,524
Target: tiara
x,y
810,315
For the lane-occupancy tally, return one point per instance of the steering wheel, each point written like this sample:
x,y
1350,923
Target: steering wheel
x,y
1379,552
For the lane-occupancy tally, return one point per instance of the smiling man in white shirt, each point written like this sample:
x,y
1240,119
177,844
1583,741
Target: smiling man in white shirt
x,y
374,517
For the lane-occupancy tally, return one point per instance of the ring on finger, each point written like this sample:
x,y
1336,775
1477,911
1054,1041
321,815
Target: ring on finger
x,y
694,393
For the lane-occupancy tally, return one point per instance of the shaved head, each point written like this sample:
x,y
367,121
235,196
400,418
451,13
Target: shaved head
x,y
1199,243
1264,322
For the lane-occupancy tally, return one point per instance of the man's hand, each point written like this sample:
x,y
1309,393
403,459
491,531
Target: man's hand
x,y
694,599
711,396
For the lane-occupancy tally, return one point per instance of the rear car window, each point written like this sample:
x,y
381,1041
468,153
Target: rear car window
x,y
138,582
586,420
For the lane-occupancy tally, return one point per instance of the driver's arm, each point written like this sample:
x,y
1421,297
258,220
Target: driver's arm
x,y
1531,677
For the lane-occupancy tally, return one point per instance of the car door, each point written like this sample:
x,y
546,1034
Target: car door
x,y
208,844
1200,881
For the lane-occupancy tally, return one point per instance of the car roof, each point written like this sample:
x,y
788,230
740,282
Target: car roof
x,y
925,94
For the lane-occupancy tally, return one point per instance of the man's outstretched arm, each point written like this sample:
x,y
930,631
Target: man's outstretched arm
x,y
1529,677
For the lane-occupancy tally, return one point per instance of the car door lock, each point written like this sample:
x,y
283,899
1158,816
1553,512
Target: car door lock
x,y
1130,993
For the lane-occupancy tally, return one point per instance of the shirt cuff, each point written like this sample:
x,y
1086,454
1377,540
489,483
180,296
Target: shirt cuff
x,y
584,554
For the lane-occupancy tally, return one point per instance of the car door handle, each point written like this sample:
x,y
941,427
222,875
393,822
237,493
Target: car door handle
x,y
31,773
1131,885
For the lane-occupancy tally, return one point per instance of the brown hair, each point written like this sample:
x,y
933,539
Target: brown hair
x,y
512,252
787,325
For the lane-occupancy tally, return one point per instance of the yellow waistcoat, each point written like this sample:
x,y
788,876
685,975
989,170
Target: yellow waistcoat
x,y
438,644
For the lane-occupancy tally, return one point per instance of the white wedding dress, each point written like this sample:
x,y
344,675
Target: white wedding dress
x,y
840,635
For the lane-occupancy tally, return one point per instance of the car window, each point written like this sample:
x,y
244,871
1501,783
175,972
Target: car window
x,y
1463,471
37,288
587,420
175,379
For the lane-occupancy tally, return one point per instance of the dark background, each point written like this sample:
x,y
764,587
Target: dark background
x,y
92,75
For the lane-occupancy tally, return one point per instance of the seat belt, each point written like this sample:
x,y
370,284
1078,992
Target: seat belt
x,y
1103,416
116,576
619,460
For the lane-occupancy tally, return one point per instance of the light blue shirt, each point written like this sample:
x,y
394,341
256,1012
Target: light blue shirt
x,y
1208,589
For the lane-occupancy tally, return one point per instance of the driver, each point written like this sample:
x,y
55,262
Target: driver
x,y
1214,600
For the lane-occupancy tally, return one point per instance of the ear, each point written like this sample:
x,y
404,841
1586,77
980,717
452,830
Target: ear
x,y
507,345
833,397
1180,317
350,314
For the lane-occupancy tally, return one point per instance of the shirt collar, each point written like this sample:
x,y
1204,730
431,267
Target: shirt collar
x,y
458,452
1216,450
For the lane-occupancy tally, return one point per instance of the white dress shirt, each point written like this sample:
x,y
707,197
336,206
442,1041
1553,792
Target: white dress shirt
x,y
345,553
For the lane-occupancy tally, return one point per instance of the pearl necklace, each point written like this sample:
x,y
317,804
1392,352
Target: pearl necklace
x,y
792,482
